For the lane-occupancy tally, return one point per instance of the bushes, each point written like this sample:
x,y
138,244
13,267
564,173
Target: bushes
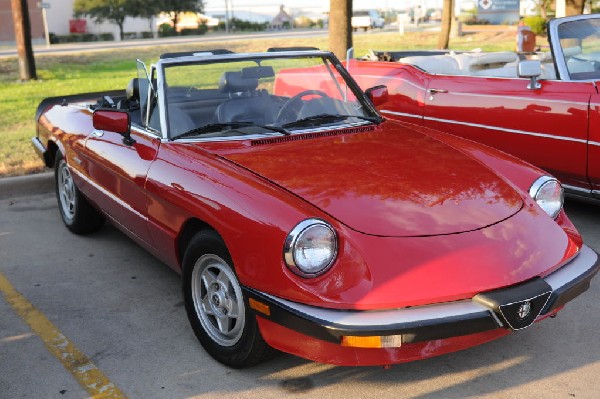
x,y
241,25
165,30
80,37
536,23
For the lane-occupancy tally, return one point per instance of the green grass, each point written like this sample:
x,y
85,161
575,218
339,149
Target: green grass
x,y
108,70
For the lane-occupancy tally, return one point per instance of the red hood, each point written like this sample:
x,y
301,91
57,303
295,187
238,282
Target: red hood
x,y
393,181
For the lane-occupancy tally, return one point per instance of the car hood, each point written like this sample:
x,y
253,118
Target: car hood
x,y
391,181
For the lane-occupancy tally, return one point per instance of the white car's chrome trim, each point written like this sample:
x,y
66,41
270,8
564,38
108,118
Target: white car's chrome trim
x,y
578,189
537,100
489,127
387,111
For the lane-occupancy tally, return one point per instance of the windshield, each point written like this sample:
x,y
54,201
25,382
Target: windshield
x,y
580,44
260,95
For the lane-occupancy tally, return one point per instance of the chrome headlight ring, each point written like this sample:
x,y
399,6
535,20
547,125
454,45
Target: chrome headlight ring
x,y
548,193
310,248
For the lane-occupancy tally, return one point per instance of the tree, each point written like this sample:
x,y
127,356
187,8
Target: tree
x,y
575,7
176,7
340,27
20,14
444,37
113,11
543,6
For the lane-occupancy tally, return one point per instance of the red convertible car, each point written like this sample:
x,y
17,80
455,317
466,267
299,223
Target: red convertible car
x,y
303,221
543,107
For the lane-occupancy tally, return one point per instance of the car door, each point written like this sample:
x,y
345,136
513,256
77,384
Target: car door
x,y
547,127
119,171
594,145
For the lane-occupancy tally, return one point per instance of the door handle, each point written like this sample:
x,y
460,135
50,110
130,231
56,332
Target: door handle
x,y
435,91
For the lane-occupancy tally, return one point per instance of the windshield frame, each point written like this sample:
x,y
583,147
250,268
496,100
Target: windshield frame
x,y
557,49
328,58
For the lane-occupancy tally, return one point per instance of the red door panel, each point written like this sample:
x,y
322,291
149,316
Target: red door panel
x,y
547,127
119,172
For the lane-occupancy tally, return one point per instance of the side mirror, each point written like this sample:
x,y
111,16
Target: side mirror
x,y
113,120
378,95
531,69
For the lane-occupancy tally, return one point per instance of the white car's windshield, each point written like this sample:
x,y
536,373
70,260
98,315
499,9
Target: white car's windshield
x,y
580,44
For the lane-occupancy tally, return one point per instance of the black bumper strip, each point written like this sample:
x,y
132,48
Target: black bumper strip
x,y
440,321
417,331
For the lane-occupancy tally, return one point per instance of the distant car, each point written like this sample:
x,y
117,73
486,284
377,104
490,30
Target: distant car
x,y
366,19
543,107
301,220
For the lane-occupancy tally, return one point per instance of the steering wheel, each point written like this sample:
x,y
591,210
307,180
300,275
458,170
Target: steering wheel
x,y
290,109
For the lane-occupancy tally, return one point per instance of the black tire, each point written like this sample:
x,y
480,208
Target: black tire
x,y
77,213
216,307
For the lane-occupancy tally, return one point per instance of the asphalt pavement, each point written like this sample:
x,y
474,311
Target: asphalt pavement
x,y
97,314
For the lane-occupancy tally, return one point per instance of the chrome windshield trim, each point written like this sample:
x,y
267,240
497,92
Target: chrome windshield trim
x,y
266,134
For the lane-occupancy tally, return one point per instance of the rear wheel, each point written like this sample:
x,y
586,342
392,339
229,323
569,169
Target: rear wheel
x,y
215,304
77,213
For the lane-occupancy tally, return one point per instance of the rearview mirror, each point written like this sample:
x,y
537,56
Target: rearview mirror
x,y
531,69
113,120
378,95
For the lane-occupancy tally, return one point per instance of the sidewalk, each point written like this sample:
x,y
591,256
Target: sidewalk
x,y
40,183
66,48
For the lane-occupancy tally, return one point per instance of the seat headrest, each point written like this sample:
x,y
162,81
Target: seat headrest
x,y
233,82
133,89
498,57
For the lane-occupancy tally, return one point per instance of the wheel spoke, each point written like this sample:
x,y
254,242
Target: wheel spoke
x,y
224,323
234,308
206,308
208,278
224,280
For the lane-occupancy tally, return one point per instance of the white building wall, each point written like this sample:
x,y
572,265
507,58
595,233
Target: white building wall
x,y
61,11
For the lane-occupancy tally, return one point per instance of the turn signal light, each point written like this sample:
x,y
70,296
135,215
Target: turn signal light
x,y
259,306
386,341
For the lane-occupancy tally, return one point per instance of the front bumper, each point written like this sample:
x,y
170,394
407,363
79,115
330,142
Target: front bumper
x,y
512,308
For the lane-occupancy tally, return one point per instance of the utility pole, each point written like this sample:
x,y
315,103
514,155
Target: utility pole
x,y
20,12
340,27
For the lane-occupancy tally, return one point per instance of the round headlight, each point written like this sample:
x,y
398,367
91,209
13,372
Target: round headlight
x,y
310,248
548,193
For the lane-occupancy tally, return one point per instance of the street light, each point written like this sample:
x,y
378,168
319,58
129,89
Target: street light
x,y
44,6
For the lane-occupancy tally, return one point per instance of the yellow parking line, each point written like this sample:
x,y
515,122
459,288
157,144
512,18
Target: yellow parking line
x,y
82,369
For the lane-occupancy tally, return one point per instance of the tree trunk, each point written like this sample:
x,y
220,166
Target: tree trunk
x,y
444,37
340,27
120,23
20,13
575,7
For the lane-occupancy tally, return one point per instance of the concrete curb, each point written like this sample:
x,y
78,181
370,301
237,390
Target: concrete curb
x,y
19,186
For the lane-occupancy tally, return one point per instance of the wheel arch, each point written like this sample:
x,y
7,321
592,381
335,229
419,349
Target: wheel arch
x,y
50,154
189,229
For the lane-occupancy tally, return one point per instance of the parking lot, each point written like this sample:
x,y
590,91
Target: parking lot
x,y
100,312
